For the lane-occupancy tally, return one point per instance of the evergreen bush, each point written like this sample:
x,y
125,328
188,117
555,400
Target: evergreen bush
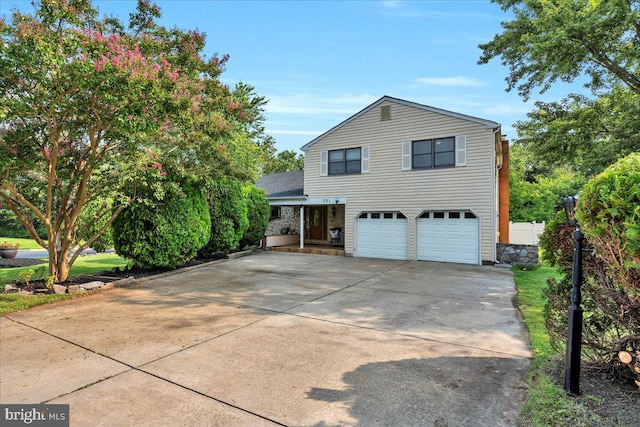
x,y
166,225
258,211
228,209
609,214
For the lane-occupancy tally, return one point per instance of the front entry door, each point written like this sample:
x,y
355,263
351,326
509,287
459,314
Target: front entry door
x,y
315,218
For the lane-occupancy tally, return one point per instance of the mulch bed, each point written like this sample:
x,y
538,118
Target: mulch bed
x,y
102,276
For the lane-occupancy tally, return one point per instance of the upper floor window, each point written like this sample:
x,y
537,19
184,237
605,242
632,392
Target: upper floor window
x,y
347,161
433,153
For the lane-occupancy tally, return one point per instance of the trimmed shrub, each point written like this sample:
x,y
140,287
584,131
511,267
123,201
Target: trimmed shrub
x,y
166,226
609,215
258,211
229,221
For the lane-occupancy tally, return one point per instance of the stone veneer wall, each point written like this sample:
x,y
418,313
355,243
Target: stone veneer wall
x,y
509,253
289,217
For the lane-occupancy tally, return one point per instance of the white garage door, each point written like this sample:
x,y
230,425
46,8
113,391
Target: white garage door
x,y
382,235
448,237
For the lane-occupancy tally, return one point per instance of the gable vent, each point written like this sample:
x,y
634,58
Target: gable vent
x,y
385,112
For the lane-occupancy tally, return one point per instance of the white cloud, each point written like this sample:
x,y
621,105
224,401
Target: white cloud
x,y
457,81
392,4
519,109
313,104
292,132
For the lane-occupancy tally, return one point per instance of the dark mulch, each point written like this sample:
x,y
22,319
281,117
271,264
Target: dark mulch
x,y
102,276
144,272
20,262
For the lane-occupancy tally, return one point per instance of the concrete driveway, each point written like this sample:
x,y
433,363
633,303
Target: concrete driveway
x,y
279,339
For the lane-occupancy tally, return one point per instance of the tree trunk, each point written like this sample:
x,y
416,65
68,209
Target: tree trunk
x,y
62,269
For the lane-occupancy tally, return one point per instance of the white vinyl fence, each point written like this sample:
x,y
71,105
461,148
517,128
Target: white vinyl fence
x,y
525,233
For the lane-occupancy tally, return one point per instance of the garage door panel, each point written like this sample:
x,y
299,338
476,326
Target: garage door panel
x,y
449,238
384,236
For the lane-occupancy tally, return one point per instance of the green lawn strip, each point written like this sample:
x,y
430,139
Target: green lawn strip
x,y
530,283
14,302
89,264
24,243
546,403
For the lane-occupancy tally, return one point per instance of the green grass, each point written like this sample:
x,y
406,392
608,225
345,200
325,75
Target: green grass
x,y
24,243
530,283
14,302
546,404
90,264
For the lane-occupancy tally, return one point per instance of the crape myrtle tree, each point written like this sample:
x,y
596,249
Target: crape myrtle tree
x,y
86,103
594,41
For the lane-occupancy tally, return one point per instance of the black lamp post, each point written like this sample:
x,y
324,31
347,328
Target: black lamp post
x,y
574,335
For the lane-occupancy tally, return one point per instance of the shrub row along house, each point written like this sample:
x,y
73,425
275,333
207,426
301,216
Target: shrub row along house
x,y
399,180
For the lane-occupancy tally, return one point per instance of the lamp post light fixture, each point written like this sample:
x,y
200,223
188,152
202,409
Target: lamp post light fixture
x,y
574,333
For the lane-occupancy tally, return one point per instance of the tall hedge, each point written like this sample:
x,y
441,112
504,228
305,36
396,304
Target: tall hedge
x,y
166,226
258,211
609,214
229,221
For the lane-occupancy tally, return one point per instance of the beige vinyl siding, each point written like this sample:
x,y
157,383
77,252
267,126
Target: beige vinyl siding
x,y
388,188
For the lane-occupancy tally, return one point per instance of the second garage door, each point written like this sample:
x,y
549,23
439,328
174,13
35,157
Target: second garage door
x,y
382,235
450,236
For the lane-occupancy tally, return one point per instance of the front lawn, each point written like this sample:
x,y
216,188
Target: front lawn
x,y
24,243
85,265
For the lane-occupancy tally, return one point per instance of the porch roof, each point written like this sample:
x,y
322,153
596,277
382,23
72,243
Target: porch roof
x,y
283,184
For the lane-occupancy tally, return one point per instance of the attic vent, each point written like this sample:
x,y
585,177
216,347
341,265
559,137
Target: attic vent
x,y
385,112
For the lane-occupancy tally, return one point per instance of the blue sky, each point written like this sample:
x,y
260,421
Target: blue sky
x,y
319,62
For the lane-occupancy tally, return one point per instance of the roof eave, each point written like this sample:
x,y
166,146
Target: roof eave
x,y
487,123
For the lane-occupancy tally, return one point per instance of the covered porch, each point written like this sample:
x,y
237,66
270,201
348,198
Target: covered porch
x,y
317,223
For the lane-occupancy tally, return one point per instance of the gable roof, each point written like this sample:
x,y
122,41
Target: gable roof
x,y
488,123
283,184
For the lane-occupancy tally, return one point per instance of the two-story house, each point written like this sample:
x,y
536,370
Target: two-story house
x,y
402,181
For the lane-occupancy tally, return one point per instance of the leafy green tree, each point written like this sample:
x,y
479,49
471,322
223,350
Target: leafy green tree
x,y
563,40
284,161
535,192
559,40
84,103
587,134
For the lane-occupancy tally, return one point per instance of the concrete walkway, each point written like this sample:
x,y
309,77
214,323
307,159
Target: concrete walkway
x,y
279,339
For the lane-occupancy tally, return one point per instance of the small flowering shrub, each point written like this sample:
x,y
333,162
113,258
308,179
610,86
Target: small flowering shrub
x,y
166,225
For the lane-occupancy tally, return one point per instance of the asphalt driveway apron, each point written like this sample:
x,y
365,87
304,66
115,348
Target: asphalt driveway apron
x,y
279,339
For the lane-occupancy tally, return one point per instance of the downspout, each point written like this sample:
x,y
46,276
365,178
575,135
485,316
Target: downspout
x,y
494,216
